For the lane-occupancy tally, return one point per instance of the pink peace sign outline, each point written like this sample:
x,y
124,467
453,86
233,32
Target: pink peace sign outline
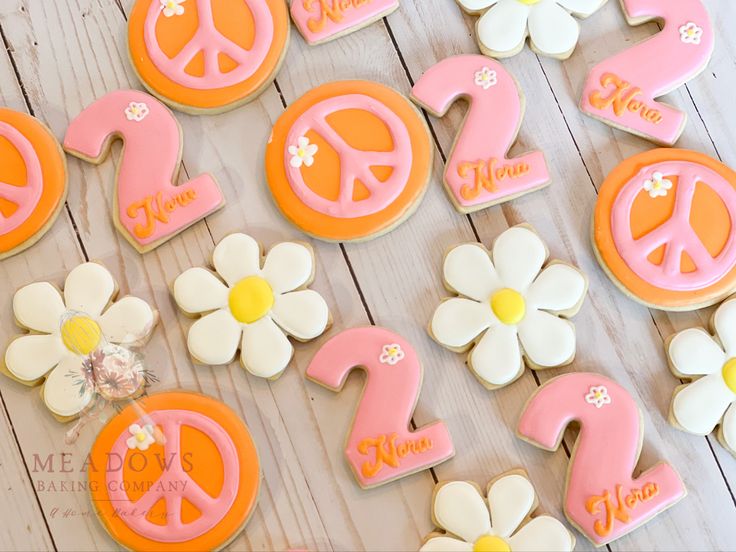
x,y
209,40
25,197
676,233
213,510
354,163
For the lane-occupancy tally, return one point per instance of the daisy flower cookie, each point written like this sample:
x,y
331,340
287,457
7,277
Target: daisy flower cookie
x,y
509,305
251,306
460,509
504,25
708,362
65,329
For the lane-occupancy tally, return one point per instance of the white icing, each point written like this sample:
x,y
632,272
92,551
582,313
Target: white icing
x,y
542,534
473,6
699,406
518,255
38,307
214,338
510,499
502,29
468,271
236,257
288,266
581,8
147,437
558,288
728,429
61,392
128,321
30,357
485,78
657,186
497,357
458,321
136,111
598,396
446,544
459,509
171,8
197,291
88,289
303,314
547,340
391,354
691,33
553,31
694,352
302,153
265,352
725,325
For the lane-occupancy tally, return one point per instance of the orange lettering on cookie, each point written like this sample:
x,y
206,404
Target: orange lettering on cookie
x,y
618,511
622,99
388,452
156,208
330,9
486,175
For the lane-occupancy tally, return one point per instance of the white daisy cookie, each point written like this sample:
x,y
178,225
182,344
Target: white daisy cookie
x,y
708,362
503,522
246,306
65,328
510,307
504,25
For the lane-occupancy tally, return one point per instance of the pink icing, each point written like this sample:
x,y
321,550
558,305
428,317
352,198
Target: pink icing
x,y
175,483
490,128
211,42
354,163
389,397
339,17
149,207
605,455
25,197
656,66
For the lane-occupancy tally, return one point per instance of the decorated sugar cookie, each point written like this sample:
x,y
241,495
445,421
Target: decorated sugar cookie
x,y
381,446
32,181
250,307
207,56
65,329
194,490
602,500
460,509
709,364
552,30
323,20
663,229
478,173
349,160
511,304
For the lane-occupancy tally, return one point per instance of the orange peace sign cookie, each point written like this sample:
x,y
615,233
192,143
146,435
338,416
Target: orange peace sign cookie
x,y
204,56
349,160
32,181
664,230
184,476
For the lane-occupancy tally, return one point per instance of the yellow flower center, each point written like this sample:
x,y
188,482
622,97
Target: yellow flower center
x,y
508,306
489,543
80,334
140,436
657,185
301,152
529,2
171,4
691,32
250,299
392,351
729,374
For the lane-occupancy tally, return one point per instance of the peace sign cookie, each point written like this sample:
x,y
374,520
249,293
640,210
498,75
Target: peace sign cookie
x,y
32,181
207,56
663,229
193,491
349,160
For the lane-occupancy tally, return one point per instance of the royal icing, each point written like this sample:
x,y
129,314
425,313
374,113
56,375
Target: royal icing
x,y
602,500
323,20
504,25
348,160
663,228
67,329
509,306
150,208
381,447
478,173
709,364
460,510
621,90
252,308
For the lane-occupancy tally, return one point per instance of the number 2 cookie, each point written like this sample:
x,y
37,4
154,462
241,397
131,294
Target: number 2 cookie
x,y
663,229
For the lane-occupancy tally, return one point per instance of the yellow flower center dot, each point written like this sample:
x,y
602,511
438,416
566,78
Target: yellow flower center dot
x,y
489,543
729,374
508,306
529,2
657,184
140,436
80,334
250,299
301,152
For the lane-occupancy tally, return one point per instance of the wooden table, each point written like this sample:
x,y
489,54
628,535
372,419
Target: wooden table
x,y
60,55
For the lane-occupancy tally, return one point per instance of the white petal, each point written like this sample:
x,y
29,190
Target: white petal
x,y
61,392
558,288
134,428
446,544
296,161
728,429
552,29
700,405
128,321
88,289
303,142
582,8
468,271
312,149
693,352
293,150
197,290
518,256
473,6
214,338
460,510
542,534
457,321
502,29
236,257
288,266
38,307
31,356
725,324
266,352
547,340
510,500
303,314
497,357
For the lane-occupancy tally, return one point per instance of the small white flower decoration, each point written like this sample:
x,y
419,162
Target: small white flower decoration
x,y
172,7
136,111
302,153
485,78
141,437
658,185
690,33
391,354
598,396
